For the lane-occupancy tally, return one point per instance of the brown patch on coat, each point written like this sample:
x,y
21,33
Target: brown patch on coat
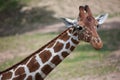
x,y
51,44
45,56
72,48
29,78
33,65
23,63
46,69
6,75
20,71
20,77
74,41
70,30
58,47
56,60
65,54
67,45
38,77
65,37
75,34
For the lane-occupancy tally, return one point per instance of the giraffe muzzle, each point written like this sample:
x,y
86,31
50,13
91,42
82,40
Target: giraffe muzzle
x,y
96,43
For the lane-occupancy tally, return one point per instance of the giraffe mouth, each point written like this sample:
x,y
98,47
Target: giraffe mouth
x,y
96,43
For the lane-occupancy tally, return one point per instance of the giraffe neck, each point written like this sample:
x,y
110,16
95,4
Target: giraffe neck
x,y
43,61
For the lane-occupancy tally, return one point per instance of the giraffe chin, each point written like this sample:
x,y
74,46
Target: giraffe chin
x,y
97,46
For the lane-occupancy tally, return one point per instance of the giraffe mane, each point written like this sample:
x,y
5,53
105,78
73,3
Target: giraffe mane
x,y
33,53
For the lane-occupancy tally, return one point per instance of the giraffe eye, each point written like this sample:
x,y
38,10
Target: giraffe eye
x,y
79,27
98,26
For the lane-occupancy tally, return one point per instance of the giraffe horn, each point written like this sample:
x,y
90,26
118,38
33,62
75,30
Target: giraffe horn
x,y
81,13
87,9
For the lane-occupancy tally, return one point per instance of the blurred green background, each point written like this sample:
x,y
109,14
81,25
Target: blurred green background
x,y
26,25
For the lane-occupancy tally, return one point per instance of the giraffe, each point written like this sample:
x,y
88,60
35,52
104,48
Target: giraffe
x,y
39,64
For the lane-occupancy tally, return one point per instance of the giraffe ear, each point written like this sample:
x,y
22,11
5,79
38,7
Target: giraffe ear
x,y
101,18
69,22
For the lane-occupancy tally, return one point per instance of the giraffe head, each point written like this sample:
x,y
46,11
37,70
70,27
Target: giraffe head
x,y
86,26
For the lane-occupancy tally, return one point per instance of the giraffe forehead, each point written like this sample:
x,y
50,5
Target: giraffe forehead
x,y
88,21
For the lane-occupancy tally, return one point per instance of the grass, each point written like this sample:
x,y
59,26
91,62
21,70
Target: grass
x,y
10,62
13,42
83,61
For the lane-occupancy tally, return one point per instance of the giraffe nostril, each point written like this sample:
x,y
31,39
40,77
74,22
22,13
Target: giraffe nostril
x,y
98,40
